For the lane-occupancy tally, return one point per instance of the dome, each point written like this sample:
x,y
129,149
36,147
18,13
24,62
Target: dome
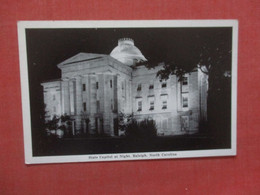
x,y
127,53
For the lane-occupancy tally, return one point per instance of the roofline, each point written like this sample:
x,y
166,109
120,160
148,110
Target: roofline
x,y
62,63
119,63
51,81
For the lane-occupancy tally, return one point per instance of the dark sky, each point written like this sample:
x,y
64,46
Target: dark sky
x,y
48,47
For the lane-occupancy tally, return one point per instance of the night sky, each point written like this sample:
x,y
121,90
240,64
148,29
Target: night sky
x,y
48,47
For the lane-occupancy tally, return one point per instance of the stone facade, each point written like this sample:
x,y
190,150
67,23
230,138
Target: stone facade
x,y
95,88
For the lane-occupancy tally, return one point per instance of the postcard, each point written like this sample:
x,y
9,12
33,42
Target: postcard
x,y
128,90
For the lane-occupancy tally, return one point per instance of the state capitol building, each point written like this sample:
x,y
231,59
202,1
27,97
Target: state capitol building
x,y
95,88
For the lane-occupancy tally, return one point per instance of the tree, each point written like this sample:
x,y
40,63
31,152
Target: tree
x,y
209,49
124,120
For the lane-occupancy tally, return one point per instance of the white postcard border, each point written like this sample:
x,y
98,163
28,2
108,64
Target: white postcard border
x,y
30,159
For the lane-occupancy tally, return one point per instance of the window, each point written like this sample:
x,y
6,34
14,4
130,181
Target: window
x,y
84,106
54,97
184,123
98,106
151,105
139,88
164,104
185,81
123,86
164,98
164,85
184,88
151,102
151,86
185,101
112,106
164,124
111,84
84,87
139,106
97,85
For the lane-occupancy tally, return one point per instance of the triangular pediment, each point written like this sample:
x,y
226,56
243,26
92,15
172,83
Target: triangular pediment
x,y
81,57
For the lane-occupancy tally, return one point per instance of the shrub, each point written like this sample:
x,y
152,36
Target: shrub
x,y
58,126
144,129
148,128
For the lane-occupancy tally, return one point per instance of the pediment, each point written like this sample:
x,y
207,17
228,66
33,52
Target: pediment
x,y
81,57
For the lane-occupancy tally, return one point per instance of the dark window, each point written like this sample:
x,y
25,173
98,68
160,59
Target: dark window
x,y
164,85
84,106
151,87
122,86
111,84
184,102
139,88
164,105
139,106
84,87
98,106
97,85
185,81
151,105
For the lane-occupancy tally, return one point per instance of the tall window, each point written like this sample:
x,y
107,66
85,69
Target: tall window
x,y
185,92
84,87
123,86
111,84
123,89
151,102
112,105
184,123
139,88
84,106
164,104
164,101
97,85
185,103
151,105
185,80
139,106
98,106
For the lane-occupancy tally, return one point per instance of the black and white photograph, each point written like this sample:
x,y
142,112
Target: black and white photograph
x,y
128,90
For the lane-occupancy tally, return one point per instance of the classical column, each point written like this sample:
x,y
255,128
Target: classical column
x,y
65,99
72,96
78,108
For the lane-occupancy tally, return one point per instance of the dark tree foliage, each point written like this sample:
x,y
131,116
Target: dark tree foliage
x,y
53,123
209,50
143,129
124,120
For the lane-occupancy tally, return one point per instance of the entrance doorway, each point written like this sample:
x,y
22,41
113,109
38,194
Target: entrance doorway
x,y
86,126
